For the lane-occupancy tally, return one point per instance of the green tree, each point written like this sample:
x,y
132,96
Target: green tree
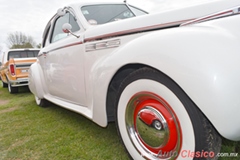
x,y
20,40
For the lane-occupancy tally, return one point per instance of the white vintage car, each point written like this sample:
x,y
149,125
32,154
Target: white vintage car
x,y
170,79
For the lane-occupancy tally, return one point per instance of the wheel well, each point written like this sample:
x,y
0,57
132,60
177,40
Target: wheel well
x,y
114,85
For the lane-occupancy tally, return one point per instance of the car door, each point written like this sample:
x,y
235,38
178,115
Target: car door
x,y
62,62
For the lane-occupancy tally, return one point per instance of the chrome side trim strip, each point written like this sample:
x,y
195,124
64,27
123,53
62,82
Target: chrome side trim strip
x,y
111,44
226,13
136,30
65,46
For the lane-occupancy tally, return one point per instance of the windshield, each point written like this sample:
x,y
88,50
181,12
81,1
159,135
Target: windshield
x,y
23,54
105,13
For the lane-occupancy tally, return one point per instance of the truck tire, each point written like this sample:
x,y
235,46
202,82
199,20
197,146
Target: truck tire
x,y
185,128
11,89
4,85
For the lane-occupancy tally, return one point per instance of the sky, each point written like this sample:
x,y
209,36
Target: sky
x,y
31,16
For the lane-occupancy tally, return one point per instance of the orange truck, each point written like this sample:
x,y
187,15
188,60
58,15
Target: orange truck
x,y
14,67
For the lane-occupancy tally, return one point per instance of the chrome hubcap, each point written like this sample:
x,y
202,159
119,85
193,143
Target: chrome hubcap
x,y
153,126
157,125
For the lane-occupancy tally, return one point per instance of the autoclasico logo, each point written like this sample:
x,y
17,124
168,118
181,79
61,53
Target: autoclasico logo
x,y
197,154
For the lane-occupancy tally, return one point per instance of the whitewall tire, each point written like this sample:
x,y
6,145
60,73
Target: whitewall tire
x,y
41,102
11,89
147,95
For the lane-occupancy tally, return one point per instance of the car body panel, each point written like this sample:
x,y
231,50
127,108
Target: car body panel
x,y
201,58
213,74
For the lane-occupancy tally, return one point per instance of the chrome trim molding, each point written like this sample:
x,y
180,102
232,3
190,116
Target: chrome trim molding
x,y
103,45
65,46
226,13
136,30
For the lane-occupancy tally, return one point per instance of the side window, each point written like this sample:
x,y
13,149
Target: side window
x,y
57,30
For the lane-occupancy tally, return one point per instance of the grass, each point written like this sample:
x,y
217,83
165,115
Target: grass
x,y
29,132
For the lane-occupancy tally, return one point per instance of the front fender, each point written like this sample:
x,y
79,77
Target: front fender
x,y
202,59
35,84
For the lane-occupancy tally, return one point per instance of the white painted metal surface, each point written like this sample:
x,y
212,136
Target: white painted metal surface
x,y
202,59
